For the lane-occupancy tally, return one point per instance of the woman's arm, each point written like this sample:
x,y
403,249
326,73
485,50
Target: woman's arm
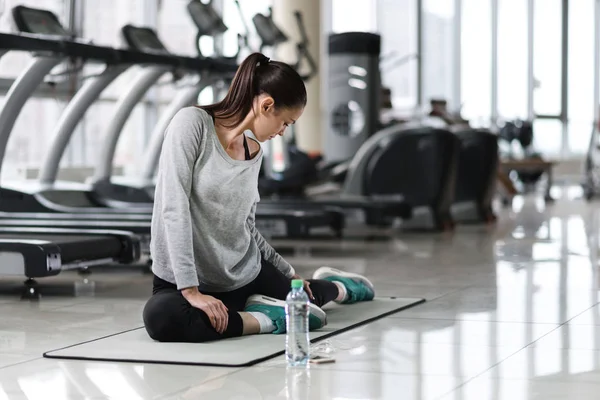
x,y
180,150
269,253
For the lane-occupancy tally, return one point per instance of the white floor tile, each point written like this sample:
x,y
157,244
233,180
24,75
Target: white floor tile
x,y
318,383
489,329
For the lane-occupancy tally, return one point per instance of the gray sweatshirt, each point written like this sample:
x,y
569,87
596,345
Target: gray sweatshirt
x,y
203,231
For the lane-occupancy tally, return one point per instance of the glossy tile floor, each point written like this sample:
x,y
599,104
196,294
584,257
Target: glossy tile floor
x,y
512,313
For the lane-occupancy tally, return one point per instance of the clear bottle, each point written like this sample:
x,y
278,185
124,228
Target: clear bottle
x,y
297,344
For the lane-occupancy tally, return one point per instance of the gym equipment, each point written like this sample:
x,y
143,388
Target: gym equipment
x,y
478,165
476,176
521,132
43,252
102,191
45,196
60,249
41,206
591,166
354,93
592,169
417,163
135,345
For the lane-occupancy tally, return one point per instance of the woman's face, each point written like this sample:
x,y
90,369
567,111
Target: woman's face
x,y
271,122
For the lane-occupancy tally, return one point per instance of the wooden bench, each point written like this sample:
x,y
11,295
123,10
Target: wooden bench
x,y
531,166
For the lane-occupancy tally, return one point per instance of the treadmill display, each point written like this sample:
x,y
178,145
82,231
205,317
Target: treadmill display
x,y
206,18
143,39
39,22
269,33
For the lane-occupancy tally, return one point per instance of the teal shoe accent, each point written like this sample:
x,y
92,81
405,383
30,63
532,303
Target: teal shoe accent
x,y
357,290
275,313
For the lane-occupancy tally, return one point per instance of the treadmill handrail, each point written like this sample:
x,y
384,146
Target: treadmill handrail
x,y
61,46
68,231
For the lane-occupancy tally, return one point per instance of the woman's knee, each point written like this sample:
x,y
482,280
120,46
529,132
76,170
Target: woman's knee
x,y
157,318
170,318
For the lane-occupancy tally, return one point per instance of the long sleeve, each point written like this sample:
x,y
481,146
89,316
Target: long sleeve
x,y
180,150
267,251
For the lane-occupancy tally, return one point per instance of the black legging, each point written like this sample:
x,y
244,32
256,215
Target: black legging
x,y
169,317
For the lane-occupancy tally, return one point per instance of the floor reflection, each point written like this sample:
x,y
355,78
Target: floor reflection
x,y
514,314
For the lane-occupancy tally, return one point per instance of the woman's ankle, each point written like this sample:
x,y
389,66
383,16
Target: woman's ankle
x,y
251,325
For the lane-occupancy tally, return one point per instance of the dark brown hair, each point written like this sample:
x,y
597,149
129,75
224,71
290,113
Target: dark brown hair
x,y
257,75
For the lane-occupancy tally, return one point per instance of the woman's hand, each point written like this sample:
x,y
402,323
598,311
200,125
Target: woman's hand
x,y
306,286
214,308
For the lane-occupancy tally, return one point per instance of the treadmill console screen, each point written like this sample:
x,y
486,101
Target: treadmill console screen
x,y
36,21
206,18
269,33
143,39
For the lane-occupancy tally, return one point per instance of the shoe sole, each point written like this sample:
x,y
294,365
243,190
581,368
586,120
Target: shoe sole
x,y
269,301
325,272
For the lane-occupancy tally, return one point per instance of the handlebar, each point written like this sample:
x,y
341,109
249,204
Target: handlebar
x,y
301,27
302,49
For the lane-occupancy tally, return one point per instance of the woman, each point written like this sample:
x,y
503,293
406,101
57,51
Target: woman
x,y
215,276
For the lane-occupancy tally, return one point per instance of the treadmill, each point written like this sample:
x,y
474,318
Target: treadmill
x,y
30,196
37,252
288,223
69,197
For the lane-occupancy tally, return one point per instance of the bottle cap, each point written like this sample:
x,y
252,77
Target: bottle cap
x,y
297,283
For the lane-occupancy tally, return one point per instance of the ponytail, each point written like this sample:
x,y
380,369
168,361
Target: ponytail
x,y
256,75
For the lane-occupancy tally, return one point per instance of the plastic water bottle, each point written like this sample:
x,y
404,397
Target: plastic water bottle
x,y
297,345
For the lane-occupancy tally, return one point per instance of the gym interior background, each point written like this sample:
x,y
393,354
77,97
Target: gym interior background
x,y
511,305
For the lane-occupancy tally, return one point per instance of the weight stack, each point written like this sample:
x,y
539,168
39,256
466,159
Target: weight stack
x,y
354,93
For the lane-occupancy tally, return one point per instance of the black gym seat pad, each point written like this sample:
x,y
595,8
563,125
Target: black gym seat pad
x,y
135,346
392,207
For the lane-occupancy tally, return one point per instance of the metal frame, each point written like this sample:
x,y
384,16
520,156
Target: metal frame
x,y
596,62
150,106
564,86
530,61
127,102
70,117
457,81
19,93
494,94
420,54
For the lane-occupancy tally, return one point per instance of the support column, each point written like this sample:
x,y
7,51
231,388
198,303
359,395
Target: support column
x,y
309,128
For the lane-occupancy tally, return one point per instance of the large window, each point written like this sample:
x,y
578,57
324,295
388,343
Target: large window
x,y
581,73
176,28
398,28
476,63
439,52
547,73
354,16
547,36
512,59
